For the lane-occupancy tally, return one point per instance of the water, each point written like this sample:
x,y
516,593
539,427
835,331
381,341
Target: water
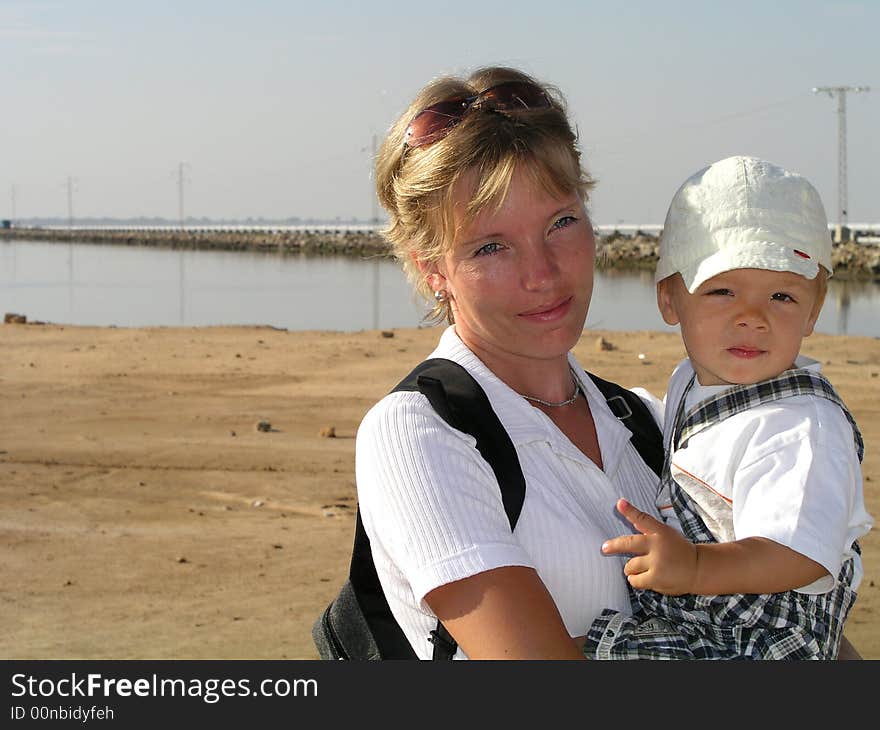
x,y
86,284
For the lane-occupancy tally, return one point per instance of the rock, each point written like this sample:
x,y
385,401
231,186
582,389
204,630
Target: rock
x,y
12,318
603,345
387,333
257,503
327,432
181,559
264,426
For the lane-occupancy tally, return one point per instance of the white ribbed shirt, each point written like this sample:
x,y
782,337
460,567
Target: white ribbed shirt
x,y
432,508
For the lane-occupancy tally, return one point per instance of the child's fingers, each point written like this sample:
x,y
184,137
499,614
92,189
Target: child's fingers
x,y
631,544
635,566
642,521
640,580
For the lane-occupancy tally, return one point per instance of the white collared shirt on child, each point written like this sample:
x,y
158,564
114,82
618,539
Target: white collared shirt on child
x,y
786,471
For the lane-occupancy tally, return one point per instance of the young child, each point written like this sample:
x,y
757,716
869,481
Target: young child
x,y
762,469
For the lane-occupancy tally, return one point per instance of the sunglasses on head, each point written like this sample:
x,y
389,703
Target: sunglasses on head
x,y
436,121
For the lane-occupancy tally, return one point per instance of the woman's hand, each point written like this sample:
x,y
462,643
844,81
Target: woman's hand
x,y
505,613
665,561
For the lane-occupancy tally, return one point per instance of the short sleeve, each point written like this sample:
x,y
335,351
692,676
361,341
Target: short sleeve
x,y
429,502
802,487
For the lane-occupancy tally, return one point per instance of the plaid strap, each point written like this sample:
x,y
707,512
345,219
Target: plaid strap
x,y
739,398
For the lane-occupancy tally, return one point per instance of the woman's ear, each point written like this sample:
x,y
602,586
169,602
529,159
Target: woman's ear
x,y
666,298
431,271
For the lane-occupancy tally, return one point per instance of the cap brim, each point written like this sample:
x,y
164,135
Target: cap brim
x,y
756,255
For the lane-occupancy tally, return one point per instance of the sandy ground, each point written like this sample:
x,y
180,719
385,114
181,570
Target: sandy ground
x,y
144,515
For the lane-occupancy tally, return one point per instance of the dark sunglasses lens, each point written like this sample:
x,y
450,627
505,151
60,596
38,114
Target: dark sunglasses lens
x,y
435,121
431,123
515,95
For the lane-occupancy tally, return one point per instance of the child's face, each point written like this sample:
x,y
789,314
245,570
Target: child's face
x,y
744,325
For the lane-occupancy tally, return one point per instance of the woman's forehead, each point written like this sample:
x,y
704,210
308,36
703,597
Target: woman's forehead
x,y
525,196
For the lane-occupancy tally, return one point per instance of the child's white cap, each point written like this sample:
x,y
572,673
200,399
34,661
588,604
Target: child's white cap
x,y
743,213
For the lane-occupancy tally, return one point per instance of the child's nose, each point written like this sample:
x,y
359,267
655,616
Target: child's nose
x,y
752,316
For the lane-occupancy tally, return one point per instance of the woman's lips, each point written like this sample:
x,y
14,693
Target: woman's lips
x,y
549,312
746,353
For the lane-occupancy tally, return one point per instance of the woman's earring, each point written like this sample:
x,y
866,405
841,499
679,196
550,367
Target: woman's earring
x,y
440,296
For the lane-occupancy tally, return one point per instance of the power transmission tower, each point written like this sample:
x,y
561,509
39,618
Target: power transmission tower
x,y
840,92
375,217
70,202
180,183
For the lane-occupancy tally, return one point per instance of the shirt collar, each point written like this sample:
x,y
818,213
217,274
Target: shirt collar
x,y
523,422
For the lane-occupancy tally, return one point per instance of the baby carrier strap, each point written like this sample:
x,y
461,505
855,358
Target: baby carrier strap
x,y
740,398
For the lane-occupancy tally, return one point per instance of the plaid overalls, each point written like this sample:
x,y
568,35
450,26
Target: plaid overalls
x,y
787,625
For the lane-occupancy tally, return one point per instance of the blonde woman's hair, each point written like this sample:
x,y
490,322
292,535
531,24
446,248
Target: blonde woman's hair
x,y
417,185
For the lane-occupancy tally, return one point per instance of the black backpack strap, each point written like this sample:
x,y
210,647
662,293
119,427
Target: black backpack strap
x,y
389,639
461,402
637,417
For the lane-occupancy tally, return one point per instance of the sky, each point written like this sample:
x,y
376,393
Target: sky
x,y
270,108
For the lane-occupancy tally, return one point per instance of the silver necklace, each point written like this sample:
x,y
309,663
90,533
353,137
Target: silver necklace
x,y
567,402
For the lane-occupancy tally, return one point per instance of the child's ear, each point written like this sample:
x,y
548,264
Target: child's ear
x,y
666,300
822,289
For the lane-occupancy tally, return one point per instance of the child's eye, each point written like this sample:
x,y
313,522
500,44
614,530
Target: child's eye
x,y
563,222
487,249
719,293
781,296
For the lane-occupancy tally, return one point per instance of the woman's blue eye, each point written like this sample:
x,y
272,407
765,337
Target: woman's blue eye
x,y
566,220
488,249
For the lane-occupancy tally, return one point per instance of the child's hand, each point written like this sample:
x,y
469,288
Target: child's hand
x,y
665,561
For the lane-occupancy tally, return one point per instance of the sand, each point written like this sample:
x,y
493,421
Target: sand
x,y
144,514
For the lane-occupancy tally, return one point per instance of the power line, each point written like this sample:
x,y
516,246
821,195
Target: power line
x,y
840,92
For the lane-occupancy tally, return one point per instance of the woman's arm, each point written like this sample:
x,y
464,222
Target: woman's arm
x,y
504,613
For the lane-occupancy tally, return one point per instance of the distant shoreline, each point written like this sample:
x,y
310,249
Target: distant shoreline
x,y
613,251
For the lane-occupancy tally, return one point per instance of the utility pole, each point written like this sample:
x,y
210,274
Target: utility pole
x,y
840,92
69,202
13,203
375,219
180,182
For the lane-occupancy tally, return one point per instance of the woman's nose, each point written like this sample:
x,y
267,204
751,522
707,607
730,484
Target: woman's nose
x,y
540,268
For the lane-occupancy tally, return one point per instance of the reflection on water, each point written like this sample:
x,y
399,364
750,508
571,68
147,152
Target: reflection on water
x,y
133,286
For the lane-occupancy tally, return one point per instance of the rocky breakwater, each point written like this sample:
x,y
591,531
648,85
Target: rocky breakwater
x,y
851,260
340,242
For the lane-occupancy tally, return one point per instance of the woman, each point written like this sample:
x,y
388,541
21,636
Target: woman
x,y
487,197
